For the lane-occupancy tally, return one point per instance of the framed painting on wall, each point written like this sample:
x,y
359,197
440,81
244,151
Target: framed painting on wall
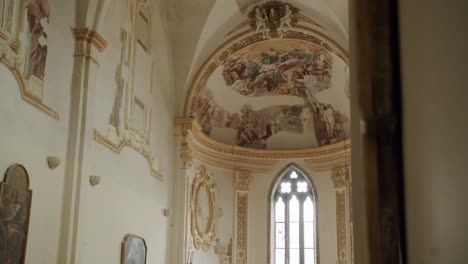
x,y
15,209
133,250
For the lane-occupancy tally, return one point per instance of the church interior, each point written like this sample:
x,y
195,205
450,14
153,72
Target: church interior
x,y
233,132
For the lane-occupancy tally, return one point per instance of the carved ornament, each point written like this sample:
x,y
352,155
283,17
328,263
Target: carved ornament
x,y
203,223
242,180
272,15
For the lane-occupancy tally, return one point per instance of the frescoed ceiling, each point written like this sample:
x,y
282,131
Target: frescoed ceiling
x,y
276,94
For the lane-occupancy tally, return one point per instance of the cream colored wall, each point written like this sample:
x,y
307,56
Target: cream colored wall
x,y
28,136
128,199
434,63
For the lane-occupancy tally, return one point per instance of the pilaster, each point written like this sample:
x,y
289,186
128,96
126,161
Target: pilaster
x,y
88,45
341,183
242,182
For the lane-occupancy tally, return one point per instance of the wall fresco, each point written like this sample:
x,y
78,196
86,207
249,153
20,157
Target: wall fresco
x,y
255,127
291,71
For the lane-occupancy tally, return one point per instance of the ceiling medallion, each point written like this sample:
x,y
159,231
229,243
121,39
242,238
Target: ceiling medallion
x,y
273,15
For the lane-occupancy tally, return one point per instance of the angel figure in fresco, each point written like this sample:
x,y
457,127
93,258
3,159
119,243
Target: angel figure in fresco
x,y
286,19
260,21
38,21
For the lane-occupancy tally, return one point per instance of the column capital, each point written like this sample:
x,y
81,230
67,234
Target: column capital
x,y
340,177
242,180
86,41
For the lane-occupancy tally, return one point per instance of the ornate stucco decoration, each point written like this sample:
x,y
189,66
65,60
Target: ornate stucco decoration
x,y
340,177
204,210
242,180
272,15
23,48
130,118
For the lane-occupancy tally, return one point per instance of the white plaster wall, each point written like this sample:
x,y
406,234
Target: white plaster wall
x,y
259,217
129,199
434,63
28,136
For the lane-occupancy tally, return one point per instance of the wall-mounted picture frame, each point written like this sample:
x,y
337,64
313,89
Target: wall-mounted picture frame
x,y
134,250
15,211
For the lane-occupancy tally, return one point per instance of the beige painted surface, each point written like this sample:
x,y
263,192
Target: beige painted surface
x,y
434,42
28,136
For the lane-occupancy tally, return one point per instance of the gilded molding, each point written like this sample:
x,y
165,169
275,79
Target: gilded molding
x,y
242,180
203,238
85,40
206,149
92,37
267,153
242,202
117,148
229,167
342,252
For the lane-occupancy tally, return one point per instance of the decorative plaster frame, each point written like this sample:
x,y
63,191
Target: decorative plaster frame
x,y
13,57
131,136
203,239
140,136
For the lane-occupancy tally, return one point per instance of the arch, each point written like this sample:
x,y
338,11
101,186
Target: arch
x,y
294,192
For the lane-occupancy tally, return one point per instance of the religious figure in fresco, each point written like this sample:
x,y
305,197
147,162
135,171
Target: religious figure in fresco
x,y
328,123
14,216
38,21
288,72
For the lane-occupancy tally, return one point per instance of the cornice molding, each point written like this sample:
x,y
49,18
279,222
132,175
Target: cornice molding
x,y
86,39
197,145
91,37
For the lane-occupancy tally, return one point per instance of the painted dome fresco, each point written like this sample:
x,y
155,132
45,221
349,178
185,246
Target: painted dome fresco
x,y
275,93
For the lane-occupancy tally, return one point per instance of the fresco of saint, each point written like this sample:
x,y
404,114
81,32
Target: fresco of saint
x,y
38,21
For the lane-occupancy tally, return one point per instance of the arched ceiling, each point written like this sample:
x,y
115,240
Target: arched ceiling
x,y
285,92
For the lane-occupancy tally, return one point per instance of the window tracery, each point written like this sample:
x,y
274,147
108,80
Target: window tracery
x,y
294,220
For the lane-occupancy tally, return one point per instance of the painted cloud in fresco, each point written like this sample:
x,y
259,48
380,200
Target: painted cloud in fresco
x,y
293,71
254,128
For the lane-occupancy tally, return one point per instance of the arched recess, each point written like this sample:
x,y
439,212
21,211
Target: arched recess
x,y
23,47
227,17
292,188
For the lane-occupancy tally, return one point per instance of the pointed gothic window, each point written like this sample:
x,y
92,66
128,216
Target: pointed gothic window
x,y
293,220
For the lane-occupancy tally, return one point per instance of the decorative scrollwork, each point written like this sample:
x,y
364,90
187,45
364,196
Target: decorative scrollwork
x,y
203,222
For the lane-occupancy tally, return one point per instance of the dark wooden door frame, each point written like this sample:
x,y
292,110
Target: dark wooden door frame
x,y
378,77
